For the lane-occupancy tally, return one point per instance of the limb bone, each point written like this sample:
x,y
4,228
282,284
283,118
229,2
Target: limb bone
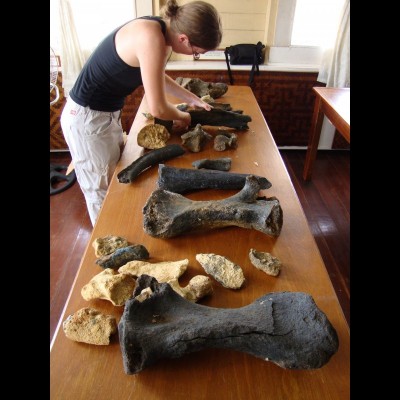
x,y
149,159
168,214
286,328
182,180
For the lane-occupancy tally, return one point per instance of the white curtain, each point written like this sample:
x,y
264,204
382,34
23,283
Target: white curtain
x,y
72,58
335,67
335,70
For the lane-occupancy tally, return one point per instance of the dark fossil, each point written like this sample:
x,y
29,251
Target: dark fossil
x,y
285,328
183,180
167,214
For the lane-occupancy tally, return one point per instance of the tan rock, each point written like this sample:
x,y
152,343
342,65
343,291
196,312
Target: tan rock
x,y
106,245
265,262
163,271
88,325
224,271
198,287
109,285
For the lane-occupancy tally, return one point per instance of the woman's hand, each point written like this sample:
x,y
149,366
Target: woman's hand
x,y
197,102
183,124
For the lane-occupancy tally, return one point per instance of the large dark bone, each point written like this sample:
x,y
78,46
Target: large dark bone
x,y
168,214
286,328
183,180
149,159
217,117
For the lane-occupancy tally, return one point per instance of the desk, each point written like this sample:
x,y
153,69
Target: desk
x,y
335,104
83,371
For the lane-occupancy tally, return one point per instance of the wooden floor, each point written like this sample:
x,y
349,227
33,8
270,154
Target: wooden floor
x,y
325,201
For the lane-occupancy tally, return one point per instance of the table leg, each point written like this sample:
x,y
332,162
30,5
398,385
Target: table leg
x,y
313,141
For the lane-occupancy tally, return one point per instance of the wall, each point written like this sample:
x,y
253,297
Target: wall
x,y
243,21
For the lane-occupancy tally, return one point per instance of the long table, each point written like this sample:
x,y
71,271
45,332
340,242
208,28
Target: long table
x,y
83,371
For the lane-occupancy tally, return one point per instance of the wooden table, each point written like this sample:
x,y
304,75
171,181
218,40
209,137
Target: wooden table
x,y
83,371
335,104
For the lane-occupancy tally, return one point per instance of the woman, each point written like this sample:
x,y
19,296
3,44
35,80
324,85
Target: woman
x,y
132,55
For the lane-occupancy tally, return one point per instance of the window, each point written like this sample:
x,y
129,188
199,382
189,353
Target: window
x,y
303,29
94,19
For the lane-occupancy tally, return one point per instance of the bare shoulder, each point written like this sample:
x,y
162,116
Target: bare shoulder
x,y
137,36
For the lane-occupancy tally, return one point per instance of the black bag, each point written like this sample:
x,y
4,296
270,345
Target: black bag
x,y
245,54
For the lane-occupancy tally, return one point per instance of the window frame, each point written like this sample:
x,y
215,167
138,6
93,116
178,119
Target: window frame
x,y
282,52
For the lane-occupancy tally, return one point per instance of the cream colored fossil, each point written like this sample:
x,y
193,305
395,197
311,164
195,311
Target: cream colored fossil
x,y
163,271
109,285
198,287
224,271
90,326
106,245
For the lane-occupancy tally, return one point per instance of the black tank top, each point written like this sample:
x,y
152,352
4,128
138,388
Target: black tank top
x,y
105,79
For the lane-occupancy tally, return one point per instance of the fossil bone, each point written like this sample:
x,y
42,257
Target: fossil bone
x,y
153,136
149,159
286,328
195,139
223,270
265,262
103,246
123,255
198,287
182,180
220,164
163,271
109,285
217,117
88,325
225,140
201,88
168,214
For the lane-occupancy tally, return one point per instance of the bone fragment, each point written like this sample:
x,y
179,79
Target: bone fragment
x,y
109,285
149,159
168,214
220,164
103,246
194,140
225,141
88,325
198,287
217,117
163,271
153,136
265,262
223,270
182,180
122,255
201,88
285,328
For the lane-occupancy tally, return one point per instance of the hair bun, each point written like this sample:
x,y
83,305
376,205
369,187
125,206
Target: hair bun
x,y
170,9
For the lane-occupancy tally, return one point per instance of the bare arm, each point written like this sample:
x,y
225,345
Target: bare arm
x,y
174,89
151,54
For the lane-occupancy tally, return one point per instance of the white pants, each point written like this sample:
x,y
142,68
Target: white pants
x,y
95,141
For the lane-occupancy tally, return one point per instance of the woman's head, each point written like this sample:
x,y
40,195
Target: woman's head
x,y
198,20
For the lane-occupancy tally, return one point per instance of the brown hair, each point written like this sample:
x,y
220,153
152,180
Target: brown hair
x,y
198,20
